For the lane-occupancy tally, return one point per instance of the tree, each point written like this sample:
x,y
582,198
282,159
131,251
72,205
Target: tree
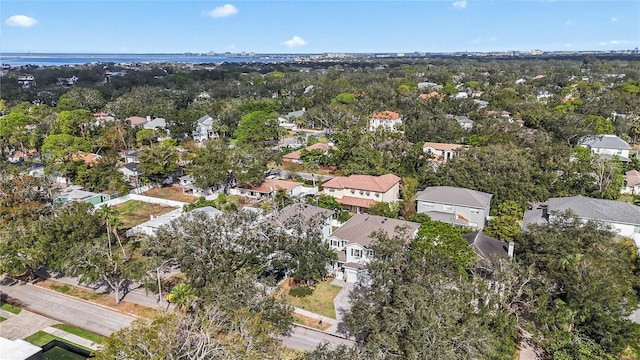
x,y
590,280
409,189
59,150
75,122
257,128
181,296
505,226
147,136
159,161
81,98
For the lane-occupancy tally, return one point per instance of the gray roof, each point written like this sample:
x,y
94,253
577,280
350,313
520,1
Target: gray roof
x,y
605,142
156,123
447,218
534,217
455,196
485,245
295,114
597,209
209,210
206,120
133,166
308,214
360,227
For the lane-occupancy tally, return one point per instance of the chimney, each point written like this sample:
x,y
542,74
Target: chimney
x,y
511,247
148,118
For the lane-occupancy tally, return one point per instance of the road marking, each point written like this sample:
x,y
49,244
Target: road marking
x,y
110,323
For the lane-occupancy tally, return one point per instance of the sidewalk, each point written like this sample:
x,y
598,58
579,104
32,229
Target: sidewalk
x,y
19,326
72,338
312,315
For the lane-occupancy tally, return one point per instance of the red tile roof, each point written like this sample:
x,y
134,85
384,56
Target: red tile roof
x,y
354,201
88,158
388,115
273,185
137,120
364,182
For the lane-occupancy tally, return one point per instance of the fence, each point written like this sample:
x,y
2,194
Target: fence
x,y
143,198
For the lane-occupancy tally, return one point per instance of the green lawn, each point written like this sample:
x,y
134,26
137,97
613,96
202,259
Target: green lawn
x,y
80,332
2,319
42,338
320,302
132,212
11,308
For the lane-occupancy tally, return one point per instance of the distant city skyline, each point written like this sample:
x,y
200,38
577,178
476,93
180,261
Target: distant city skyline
x,y
355,26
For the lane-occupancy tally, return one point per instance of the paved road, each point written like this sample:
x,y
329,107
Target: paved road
x,y
67,310
308,339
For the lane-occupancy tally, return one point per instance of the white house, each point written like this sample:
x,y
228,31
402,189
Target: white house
x,y
204,129
631,183
360,192
151,227
268,189
622,217
352,242
463,121
131,172
442,151
454,205
388,120
607,144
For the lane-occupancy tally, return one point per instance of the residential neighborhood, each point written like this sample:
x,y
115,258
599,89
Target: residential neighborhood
x,y
314,202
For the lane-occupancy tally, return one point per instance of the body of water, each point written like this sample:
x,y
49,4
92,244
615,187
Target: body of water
x,y
75,59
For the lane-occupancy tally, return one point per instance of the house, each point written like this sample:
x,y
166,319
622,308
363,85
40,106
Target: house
x,y
463,121
288,121
454,205
388,120
426,85
359,192
622,217
155,124
204,129
631,183
131,157
88,158
75,193
131,172
137,120
295,156
26,80
268,188
19,349
151,227
486,246
608,145
352,242
442,151
309,216
481,103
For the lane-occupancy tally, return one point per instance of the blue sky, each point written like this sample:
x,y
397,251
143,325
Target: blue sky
x,y
305,26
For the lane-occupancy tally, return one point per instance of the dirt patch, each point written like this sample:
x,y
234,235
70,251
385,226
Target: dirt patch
x,y
133,212
170,193
92,296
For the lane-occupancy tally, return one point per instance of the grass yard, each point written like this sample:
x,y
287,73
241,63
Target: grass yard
x,y
102,299
133,212
10,308
170,193
307,321
80,332
2,319
42,338
319,302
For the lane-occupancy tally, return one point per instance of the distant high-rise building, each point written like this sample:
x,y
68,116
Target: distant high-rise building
x,y
536,52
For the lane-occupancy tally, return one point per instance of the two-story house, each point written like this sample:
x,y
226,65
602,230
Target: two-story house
x,y
442,151
359,192
608,145
454,205
388,120
352,242
204,129
296,156
622,217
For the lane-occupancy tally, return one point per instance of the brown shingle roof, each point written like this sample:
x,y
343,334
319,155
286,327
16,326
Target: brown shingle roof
x,y
295,155
360,227
442,146
354,201
380,183
389,115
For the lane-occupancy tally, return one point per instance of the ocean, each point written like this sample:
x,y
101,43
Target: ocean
x,y
21,59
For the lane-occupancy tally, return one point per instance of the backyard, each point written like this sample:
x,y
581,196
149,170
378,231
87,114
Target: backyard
x,y
319,302
170,193
133,212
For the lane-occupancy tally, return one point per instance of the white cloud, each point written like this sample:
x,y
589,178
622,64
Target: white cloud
x,y
460,4
21,21
614,19
614,42
295,41
476,41
569,46
568,23
222,11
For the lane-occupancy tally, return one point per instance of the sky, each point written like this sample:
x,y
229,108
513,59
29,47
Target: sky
x,y
307,26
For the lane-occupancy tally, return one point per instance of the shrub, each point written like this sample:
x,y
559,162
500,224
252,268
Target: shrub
x,y
301,291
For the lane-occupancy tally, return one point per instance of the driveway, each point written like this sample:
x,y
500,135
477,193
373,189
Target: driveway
x,y
342,305
24,324
303,338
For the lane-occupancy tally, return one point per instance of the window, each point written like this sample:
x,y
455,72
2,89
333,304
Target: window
x,y
368,193
377,194
428,205
475,211
332,190
370,253
356,252
353,191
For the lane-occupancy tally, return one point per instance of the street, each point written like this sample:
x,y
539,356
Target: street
x,y
308,339
68,310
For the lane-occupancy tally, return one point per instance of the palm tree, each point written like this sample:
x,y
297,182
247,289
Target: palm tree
x,y
181,296
109,217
